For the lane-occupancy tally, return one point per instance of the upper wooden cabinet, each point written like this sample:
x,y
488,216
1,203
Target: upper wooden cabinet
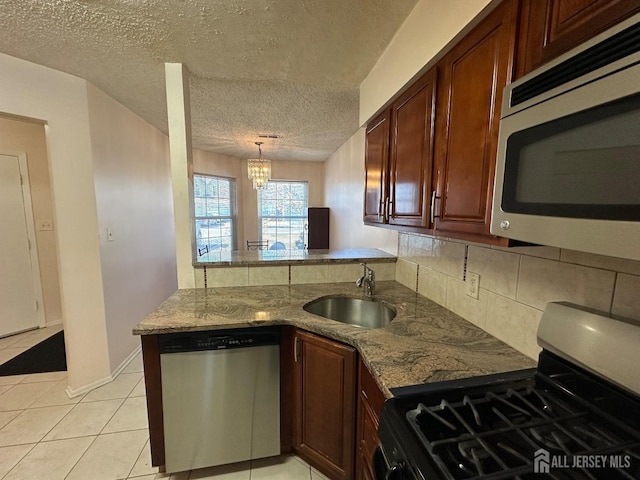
x,y
442,184
399,158
411,158
376,164
549,28
473,75
442,141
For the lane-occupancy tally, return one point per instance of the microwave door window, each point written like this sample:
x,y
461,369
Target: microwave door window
x,y
585,165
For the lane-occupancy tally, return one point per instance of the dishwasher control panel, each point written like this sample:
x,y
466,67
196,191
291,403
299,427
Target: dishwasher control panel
x,y
219,339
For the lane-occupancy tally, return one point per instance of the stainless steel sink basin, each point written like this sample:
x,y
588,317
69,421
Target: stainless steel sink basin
x,y
364,313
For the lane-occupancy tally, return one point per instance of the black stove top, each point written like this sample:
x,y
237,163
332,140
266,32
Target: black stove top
x,y
556,422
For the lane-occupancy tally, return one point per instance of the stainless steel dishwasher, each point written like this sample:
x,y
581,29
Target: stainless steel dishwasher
x,y
220,396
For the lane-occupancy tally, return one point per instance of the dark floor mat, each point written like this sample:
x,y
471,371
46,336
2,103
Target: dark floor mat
x,y
46,356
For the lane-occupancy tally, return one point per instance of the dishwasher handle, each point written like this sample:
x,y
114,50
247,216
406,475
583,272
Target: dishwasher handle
x,y
219,339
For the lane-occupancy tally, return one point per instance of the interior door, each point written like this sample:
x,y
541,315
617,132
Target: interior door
x,y
18,307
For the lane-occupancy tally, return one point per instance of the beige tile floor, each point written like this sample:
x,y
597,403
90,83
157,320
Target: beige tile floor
x,y
101,435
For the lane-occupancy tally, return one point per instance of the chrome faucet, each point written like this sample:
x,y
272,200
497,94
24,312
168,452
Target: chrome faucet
x,y
369,281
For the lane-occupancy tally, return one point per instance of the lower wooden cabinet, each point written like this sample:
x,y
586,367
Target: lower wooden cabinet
x,y
370,400
325,404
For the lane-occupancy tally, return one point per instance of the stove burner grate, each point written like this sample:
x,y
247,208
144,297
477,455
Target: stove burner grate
x,y
495,435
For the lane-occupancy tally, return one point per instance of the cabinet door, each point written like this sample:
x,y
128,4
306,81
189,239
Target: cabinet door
x,y
370,400
411,158
474,74
325,407
376,163
549,28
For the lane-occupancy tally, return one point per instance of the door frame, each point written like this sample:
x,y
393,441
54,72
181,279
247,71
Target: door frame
x,y
31,233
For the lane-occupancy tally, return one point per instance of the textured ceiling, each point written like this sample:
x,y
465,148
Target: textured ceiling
x,y
288,67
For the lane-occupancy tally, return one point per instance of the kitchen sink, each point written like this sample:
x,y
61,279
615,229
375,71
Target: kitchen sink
x,y
365,313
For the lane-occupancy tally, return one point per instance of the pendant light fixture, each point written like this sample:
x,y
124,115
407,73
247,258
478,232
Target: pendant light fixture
x,y
259,169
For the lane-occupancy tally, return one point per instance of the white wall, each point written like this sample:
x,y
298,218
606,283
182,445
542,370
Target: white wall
x,y
19,135
107,168
30,90
134,201
344,195
429,27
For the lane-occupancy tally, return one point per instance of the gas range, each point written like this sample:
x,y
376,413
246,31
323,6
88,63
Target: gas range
x,y
563,420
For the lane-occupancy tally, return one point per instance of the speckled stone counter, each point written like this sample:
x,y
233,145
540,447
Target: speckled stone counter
x,y
424,343
289,257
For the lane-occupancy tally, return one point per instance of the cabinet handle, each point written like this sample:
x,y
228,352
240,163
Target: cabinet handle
x,y
433,207
295,349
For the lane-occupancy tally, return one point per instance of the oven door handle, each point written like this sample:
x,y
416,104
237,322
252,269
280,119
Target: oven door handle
x,y
382,470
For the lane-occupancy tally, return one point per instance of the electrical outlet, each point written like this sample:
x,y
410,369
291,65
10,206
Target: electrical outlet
x,y
473,284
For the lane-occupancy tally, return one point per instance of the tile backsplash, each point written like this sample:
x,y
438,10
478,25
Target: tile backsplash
x,y
515,283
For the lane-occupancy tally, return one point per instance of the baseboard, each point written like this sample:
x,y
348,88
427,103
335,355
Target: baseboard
x,y
71,392
126,362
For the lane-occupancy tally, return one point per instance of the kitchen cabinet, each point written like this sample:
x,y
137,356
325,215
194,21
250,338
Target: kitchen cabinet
x,y
443,140
370,400
325,404
472,77
549,28
318,228
399,158
376,164
411,156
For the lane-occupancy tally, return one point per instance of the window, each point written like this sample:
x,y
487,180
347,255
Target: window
x,y
215,206
282,214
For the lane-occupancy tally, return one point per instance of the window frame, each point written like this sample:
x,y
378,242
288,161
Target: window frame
x,y
233,207
304,217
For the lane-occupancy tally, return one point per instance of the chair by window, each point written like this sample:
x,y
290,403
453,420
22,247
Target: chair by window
x,y
257,245
278,246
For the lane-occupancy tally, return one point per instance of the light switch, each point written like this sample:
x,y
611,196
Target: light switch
x,y
45,225
109,235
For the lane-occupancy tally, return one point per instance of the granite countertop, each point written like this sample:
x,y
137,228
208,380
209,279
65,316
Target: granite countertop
x,y
288,257
424,343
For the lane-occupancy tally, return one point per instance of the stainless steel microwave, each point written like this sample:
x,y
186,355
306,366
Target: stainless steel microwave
x,y
568,165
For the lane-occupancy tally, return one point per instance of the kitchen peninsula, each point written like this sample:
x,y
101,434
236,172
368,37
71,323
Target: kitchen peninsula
x,y
424,343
